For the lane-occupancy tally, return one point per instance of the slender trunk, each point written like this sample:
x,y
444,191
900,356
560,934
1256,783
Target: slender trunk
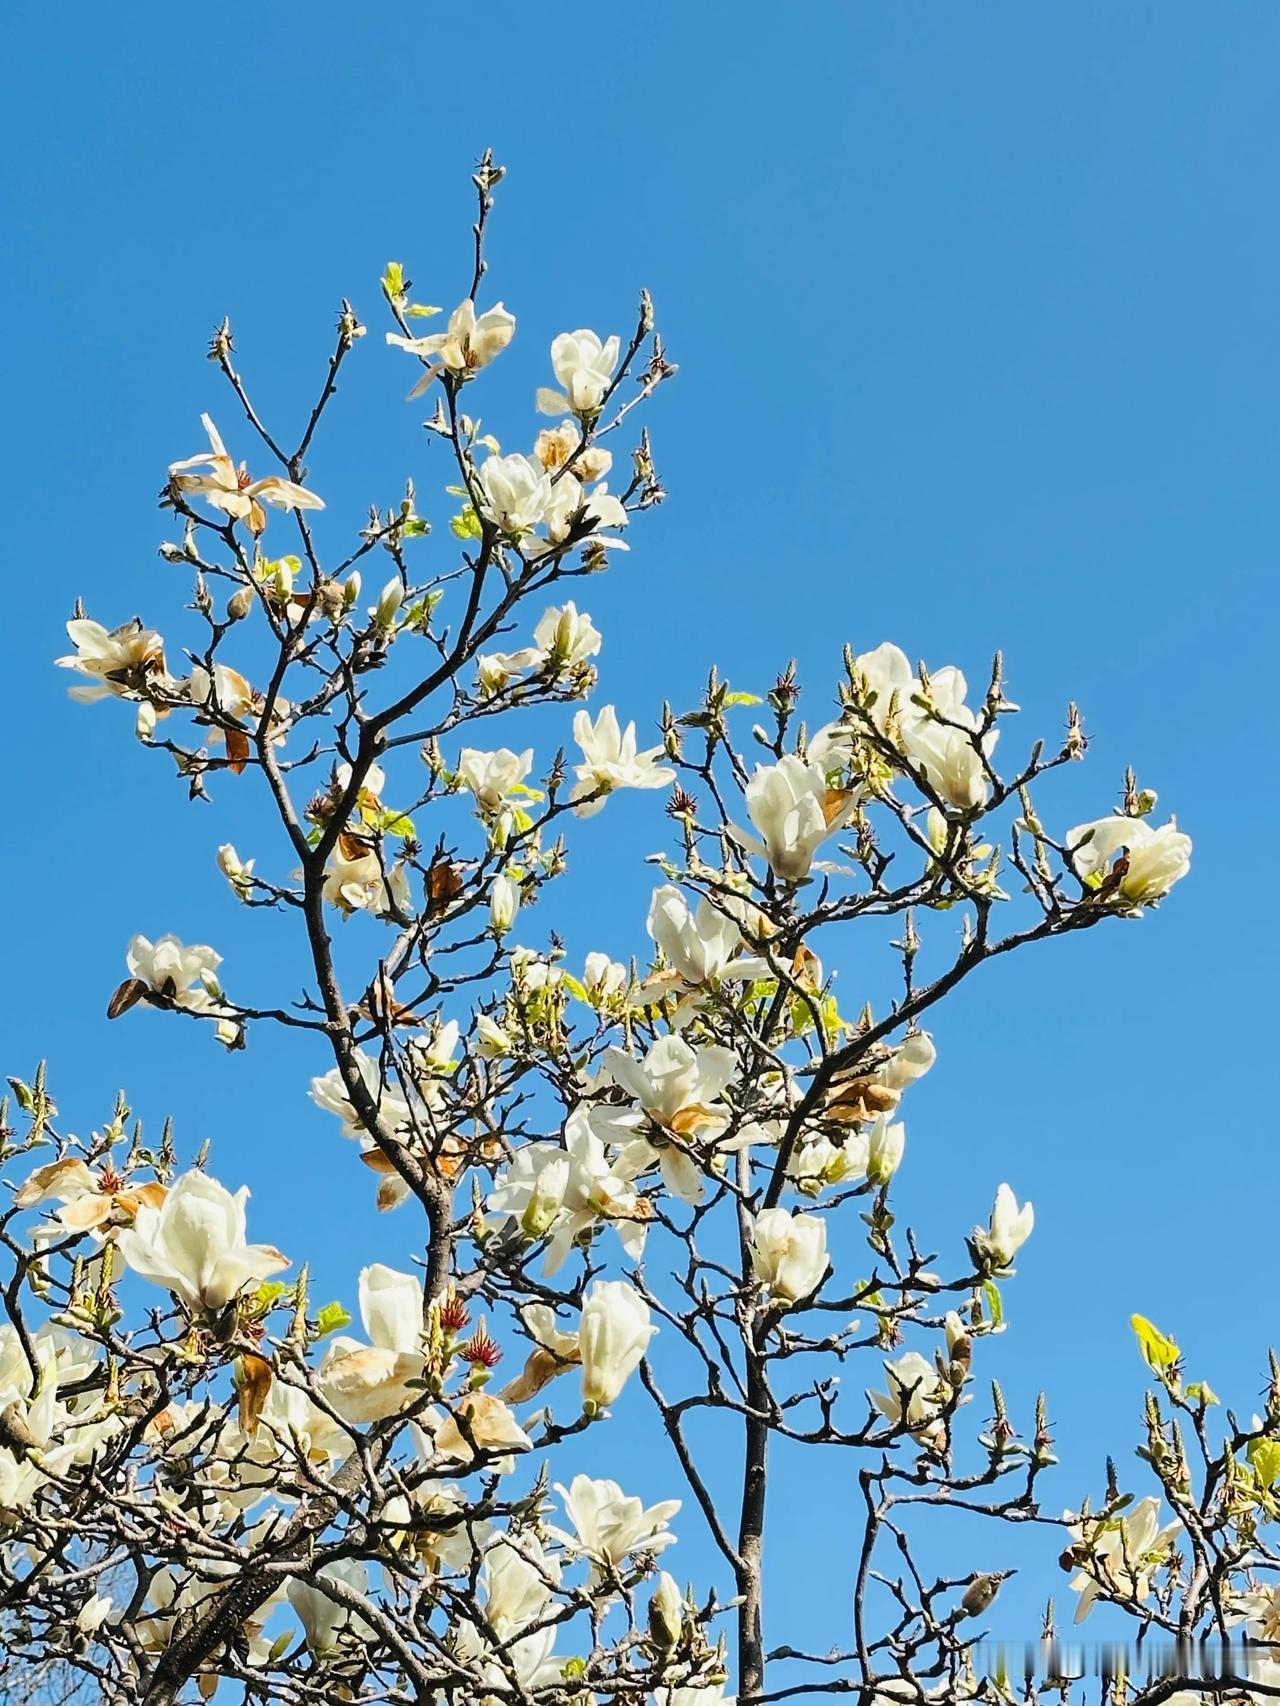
x,y
750,1581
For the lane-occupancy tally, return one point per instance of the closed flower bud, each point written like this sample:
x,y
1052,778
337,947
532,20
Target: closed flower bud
x,y
884,1150
666,1612
240,604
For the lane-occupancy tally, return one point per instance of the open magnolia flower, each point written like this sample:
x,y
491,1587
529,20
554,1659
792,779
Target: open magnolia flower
x,y
1120,1555
516,493
608,1526
225,487
469,342
1146,861
122,663
789,1253
560,1193
494,778
1009,1230
610,760
794,811
187,976
363,1382
678,1089
89,1200
478,1427
584,367
914,1399
699,944
194,1244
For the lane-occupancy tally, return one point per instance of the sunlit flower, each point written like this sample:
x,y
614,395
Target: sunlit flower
x,y
516,493
610,760
194,1244
367,1382
613,1336
794,811
124,663
187,976
609,1526
1149,861
789,1253
469,343
1009,1230
1124,1552
228,488
584,367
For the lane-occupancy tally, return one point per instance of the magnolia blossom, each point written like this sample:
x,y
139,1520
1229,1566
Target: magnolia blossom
x,y
560,1193
187,976
356,879
1124,1553
225,487
698,943
194,1243
564,643
613,1336
789,1253
89,1201
394,1108
561,447
795,811
604,980
584,366
492,776
915,1397
944,741
469,343
1009,1229
572,508
516,493
610,761
885,1145
326,1620
678,1089
1153,859
124,663
363,1382
609,1526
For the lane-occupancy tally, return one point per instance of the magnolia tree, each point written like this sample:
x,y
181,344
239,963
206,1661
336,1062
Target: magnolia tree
x,y
673,1174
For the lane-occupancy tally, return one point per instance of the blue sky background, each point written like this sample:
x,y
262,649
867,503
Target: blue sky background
x,y
976,316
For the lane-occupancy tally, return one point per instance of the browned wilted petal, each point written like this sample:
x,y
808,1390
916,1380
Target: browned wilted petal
x,y
237,749
69,1172
444,880
253,1383
130,992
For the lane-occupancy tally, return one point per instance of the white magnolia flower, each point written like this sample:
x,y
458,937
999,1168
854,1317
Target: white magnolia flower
x,y
363,1382
493,776
356,880
94,1613
677,1088
186,975
913,1057
948,746
609,1526
1009,1230
237,871
915,1397
518,1577
504,903
566,638
1125,1552
573,508
1155,859
225,487
789,1253
794,811
584,367
469,343
613,1336
194,1243
394,1108
480,1426
517,493
699,943
610,761
324,1620
560,1193
124,663
885,1145
604,980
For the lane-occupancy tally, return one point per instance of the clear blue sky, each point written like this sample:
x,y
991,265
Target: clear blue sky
x,y
976,315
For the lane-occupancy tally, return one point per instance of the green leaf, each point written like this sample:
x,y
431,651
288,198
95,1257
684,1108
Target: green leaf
x,y
1200,1392
396,823
466,525
741,699
393,284
995,1305
420,311
1264,1455
1158,1352
331,1319
269,1292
